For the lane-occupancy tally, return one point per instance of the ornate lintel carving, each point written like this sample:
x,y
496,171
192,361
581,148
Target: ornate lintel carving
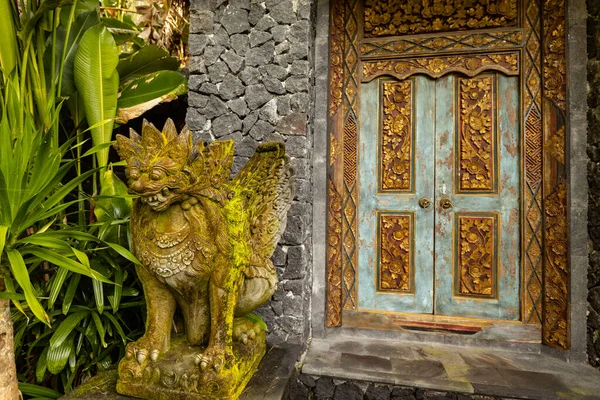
x,y
469,65
435,44
402,17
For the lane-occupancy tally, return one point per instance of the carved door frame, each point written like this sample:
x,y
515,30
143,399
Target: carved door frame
x,y
535,50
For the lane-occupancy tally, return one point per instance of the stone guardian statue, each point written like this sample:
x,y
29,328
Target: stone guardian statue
x,y
204,241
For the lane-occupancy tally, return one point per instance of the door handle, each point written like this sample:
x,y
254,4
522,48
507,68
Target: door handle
x,y
424,202
446,204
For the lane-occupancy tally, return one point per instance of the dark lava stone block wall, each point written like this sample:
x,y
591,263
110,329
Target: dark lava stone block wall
x,y
250,81
307,387
593,330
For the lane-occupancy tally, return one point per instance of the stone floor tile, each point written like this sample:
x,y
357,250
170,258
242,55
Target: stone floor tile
x,y
487,360
533,380
371,363
488,376
456,369
422,369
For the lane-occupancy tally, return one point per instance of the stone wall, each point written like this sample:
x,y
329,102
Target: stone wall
x,y
250,81
593,330
308,387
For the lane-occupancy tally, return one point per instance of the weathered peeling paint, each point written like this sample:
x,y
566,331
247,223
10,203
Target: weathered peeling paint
x,y
435,107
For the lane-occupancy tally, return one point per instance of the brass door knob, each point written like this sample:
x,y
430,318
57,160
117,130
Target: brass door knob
x,y
446,204
424,202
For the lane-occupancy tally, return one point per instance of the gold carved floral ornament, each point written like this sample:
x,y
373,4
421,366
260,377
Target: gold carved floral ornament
x,y
476,144
447,43
436,67
476,258
396,137
409,17
395,252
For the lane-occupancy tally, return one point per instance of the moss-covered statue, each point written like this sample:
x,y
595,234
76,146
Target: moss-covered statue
x,y
204,242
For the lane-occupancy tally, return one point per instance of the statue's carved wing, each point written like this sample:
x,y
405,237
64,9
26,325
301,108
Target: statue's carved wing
x,y
267,184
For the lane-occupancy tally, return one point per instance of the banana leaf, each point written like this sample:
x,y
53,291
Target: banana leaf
x,y
97,81
81,6
46,5
148,59
68,47
141,94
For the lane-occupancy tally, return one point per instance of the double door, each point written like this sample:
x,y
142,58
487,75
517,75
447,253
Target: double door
x,y
438,210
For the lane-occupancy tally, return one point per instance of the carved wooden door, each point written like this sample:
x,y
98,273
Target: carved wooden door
x,y
439,175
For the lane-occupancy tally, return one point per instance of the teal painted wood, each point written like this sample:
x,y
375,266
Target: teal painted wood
x,y
435,289
505,204
372,203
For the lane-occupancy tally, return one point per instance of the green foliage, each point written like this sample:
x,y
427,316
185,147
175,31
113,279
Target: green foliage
x,y
64,254
97,81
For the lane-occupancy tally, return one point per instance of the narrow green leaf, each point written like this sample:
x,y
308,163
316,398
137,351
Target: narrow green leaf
x,y
97,149
10,288
47,226
6,216
99,327
38,391
124,252
58,196
41,398
8,33
58,356
41,366
70,293
57,284
98,295
118,289
19,270
11,296
45,6
66,327
65,262
82,257
3,233
46,241
116,324
70,234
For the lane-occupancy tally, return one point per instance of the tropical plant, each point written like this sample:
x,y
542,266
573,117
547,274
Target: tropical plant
x,y
59,247
164,23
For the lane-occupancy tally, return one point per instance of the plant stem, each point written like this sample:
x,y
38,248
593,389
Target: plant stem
x,y
9,388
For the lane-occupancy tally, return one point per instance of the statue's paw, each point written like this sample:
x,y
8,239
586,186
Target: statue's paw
x,y
245,330
215,357
142,351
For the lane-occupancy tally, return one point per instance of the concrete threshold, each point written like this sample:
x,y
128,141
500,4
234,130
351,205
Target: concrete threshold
x,y
468,370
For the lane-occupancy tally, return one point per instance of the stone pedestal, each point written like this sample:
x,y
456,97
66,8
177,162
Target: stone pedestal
x,y
268,383
176,375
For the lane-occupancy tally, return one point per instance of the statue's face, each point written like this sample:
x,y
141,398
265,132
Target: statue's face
x,y
159,183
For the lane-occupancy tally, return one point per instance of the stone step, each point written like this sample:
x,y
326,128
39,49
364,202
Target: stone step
x,y
420,367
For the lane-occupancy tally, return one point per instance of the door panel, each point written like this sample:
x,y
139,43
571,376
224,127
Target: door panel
x,y
455,142
477,170
395,233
